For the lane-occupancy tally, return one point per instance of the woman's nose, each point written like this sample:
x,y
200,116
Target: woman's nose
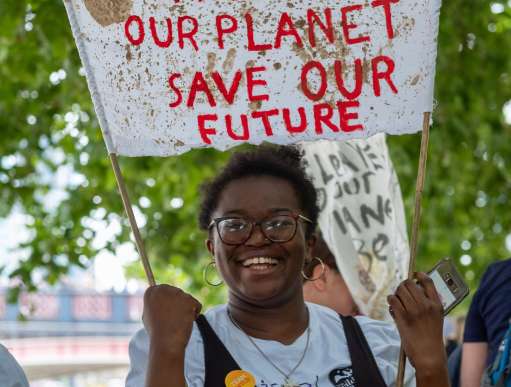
x,y
257,237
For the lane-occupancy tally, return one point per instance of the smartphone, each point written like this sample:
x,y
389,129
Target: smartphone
x,y
449,284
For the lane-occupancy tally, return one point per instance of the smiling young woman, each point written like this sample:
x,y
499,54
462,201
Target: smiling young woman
x,y
260,213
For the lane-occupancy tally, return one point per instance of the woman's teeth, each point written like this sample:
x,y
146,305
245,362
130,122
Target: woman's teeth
x,y
260,262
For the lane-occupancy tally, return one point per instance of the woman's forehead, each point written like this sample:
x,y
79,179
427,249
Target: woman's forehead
x,y
257,195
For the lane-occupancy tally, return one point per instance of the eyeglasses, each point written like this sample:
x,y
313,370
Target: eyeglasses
x,y
276,228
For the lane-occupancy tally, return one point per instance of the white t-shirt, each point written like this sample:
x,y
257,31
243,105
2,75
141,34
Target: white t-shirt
x,y
326,363
11,374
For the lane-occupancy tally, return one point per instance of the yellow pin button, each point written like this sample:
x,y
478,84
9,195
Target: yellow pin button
x,y
239,378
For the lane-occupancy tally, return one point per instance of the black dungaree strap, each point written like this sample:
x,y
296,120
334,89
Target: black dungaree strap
x,y
365,369
218,361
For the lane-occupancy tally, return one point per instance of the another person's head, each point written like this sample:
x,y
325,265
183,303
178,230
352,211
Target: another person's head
x,y
327,286
260,212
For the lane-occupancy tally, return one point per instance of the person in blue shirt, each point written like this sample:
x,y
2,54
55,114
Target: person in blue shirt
x,y
487,322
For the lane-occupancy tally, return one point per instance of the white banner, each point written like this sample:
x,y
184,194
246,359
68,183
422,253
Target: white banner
x,y
362,217
170,75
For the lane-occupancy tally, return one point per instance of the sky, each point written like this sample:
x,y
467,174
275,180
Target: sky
x,y
105,273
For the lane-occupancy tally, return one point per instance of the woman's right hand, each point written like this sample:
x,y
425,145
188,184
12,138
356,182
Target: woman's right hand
x,y
168,316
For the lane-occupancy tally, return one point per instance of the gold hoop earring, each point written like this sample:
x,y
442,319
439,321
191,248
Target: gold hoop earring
x,y
319,276
205,275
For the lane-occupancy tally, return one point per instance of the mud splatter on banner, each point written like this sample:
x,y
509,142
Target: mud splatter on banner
x,y
107,12
170,75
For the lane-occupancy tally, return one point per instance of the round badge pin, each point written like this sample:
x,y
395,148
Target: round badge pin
x,y
239,378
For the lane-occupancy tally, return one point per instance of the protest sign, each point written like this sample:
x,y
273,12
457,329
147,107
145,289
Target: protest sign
x,y
362,217
168,76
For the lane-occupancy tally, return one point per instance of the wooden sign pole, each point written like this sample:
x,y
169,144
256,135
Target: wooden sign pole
x,y
131,217
421,174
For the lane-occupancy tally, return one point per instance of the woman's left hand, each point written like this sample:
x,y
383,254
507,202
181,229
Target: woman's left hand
x,y
418,312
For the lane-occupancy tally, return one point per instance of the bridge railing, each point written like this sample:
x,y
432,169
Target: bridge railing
x,y
70,313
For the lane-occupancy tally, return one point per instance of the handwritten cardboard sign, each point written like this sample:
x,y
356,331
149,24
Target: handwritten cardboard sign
x,y
362,217
170,75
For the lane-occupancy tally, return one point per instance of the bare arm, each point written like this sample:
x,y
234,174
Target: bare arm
x,y
432,377
473,363
165,365
168,317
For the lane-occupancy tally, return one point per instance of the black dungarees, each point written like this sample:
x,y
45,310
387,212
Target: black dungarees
x,y
219,362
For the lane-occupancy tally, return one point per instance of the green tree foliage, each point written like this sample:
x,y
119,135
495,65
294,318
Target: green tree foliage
x,y
48,126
